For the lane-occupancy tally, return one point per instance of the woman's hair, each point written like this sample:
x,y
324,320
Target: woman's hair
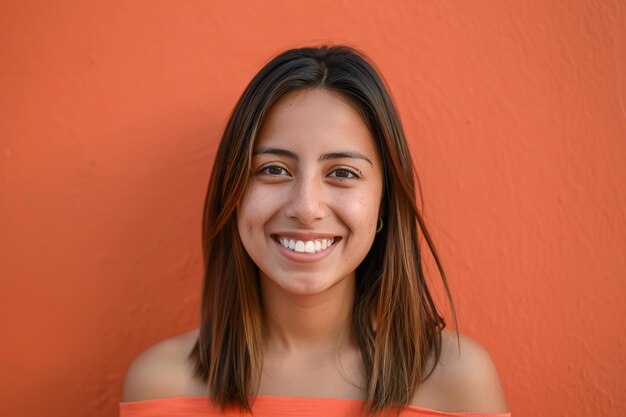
x,y
395,320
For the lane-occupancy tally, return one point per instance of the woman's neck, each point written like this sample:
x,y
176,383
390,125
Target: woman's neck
x,y
308,324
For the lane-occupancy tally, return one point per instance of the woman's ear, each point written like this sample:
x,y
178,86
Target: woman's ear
x,y
381,206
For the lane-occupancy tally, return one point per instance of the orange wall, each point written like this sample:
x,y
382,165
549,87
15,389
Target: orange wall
x,y
110,114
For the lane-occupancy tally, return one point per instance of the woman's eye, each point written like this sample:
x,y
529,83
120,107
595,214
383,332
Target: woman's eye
x,y
274,171
343,173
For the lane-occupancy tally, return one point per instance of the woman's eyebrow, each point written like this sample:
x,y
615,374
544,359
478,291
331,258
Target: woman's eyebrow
x,y
267,150
347,154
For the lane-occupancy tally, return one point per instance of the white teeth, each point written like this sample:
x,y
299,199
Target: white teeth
x,y
309,246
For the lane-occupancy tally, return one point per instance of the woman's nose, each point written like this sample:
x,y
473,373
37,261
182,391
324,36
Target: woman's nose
x,y
307,201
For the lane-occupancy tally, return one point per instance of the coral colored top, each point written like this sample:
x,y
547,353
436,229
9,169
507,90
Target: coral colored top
x,y
271,406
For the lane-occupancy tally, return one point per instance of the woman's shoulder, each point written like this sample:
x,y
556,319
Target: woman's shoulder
x,y
163,370
464,379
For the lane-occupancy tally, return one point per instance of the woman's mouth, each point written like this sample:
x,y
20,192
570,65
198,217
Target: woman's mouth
x,y
305,246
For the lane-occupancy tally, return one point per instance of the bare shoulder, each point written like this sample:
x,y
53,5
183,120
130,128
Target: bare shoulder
x,y
162,371
465,379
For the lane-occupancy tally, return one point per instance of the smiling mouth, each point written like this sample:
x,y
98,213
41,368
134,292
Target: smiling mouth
x,y
306,246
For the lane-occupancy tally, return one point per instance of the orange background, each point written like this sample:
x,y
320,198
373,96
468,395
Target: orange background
x,y
110,114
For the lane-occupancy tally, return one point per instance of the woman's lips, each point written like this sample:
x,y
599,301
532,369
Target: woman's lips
x,y
299,252
305,246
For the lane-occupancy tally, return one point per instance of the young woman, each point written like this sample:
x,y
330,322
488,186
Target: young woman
x,y
315,300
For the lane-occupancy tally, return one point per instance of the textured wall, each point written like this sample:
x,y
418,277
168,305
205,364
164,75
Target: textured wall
x,y
110,114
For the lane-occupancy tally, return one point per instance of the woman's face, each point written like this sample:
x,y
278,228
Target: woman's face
x,y
309,213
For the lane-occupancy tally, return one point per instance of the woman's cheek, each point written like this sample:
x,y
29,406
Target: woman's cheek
x,y
359,210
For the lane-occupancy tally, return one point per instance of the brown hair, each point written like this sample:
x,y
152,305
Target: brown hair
x,y
395,320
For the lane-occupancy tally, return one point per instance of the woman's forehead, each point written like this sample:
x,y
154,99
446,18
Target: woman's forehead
x,y
314,117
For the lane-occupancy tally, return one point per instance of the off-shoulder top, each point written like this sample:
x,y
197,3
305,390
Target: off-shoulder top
x,y
272,406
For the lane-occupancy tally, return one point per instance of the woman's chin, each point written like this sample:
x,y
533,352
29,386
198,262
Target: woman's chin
x,y
304,285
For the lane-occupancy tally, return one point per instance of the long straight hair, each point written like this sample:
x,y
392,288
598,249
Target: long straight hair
x,y
395,320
